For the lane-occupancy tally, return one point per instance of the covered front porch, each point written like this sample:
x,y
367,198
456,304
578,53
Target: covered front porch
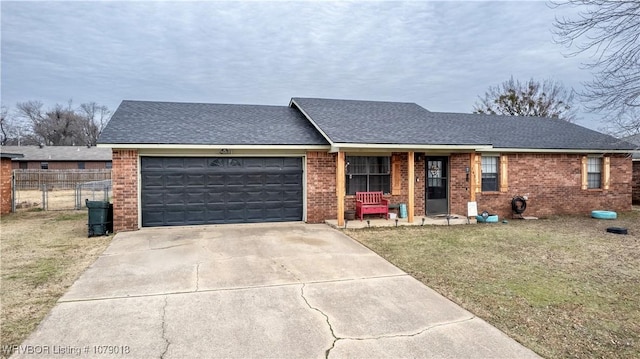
x,y
412,183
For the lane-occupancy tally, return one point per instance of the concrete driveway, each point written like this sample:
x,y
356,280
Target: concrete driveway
x,y
267,290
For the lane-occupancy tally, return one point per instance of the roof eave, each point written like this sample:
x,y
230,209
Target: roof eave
x,y
340,147
557,150
210,147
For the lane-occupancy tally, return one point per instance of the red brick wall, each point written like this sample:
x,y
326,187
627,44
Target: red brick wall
x,y
636,182
5,185
124,178
321,186
459,184
552,184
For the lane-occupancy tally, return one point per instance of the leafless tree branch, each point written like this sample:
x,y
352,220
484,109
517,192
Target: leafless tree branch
x,y
532,98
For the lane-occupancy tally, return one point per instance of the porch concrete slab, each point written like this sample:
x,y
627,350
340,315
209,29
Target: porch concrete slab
x,y
454,219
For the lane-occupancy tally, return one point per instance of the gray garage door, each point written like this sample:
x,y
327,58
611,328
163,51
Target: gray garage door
x,y
211,190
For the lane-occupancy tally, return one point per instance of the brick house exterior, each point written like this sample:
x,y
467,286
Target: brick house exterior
x,y
636,182
124,177
553,171
635,139
60,157
6,175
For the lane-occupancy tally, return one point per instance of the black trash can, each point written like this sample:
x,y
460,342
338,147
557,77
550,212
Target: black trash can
x,y
99,221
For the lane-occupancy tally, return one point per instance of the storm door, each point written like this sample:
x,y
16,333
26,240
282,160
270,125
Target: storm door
x,y
437,192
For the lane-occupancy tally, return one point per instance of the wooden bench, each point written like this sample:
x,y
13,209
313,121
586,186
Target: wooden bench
x,y
371,203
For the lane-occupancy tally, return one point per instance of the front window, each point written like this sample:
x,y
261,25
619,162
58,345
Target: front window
x,y
368,174
80,165
594,172
44,165
489,173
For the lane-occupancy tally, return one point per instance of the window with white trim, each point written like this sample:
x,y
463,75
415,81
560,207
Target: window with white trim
x,y
368,174
594,172
490,179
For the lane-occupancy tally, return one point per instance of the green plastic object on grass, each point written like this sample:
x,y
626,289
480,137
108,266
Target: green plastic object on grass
x,y
98,219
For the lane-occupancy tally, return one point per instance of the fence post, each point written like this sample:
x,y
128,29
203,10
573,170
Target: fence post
x,y
44,197
13,192
78,195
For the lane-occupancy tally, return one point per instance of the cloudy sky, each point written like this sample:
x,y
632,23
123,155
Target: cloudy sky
x,y
440,55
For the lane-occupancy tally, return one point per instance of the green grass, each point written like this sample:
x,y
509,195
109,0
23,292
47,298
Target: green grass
x,y
563,286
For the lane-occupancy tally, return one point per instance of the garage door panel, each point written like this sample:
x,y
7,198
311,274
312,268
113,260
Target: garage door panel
x,y
172,199
195,180
152,163
150,198
173,163
153,180
291,212
153,218
291,179
175,217
237,180
195,163
215,190
255,179
196,215
214,197
175,180
291,196
255,214
254,196
195,198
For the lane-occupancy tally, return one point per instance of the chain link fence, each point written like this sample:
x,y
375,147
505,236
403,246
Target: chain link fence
x,y
59,189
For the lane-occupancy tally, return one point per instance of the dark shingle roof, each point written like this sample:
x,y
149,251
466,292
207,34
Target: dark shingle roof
x,y
60,153
350,121
10,155
145,122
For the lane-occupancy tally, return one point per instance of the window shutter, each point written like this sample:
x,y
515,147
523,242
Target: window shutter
x,y
477,175
583,173
504,178
606,169
396,175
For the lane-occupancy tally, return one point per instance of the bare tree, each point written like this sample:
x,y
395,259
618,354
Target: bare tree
x,y
624,124
531,98
64,126
96,117
4,125
609,31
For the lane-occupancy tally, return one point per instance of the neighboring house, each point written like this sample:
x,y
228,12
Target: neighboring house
x,y
60,157
5,180
635,139
190,163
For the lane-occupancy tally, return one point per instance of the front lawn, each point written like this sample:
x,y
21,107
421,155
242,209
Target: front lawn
x,y
43,253
563,286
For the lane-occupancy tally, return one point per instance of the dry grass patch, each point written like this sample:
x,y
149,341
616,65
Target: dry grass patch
x,y
43,253
58,199
562,287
